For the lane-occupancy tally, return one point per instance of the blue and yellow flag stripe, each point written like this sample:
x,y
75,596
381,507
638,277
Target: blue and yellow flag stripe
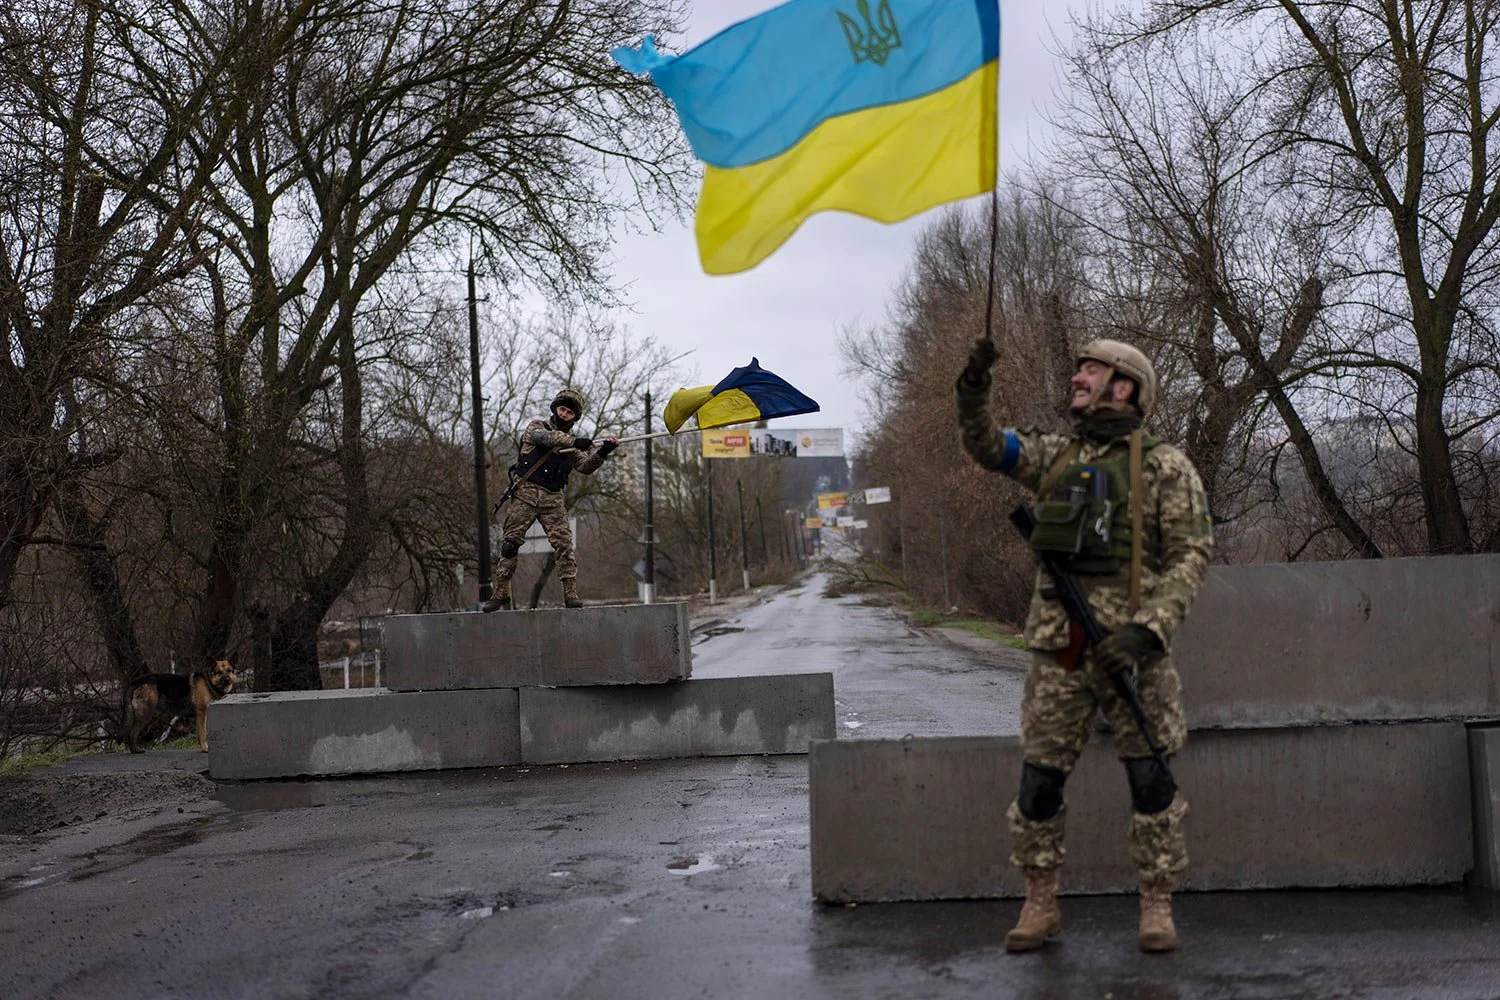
x,y
746,394
883,108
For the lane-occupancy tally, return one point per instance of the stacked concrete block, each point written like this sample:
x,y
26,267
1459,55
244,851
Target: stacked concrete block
x,y
1484,766
1343,721
618,644
365,730
543,687
1313,806
1366,640
710,717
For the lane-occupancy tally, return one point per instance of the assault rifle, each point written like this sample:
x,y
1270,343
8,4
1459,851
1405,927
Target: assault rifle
x,y
1076,603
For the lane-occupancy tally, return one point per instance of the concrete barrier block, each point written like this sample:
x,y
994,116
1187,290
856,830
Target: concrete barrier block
x,y
1314,806
361,731
707,717
1484,771
615,644
1360,640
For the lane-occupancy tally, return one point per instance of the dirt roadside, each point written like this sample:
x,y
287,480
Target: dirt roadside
x,y
102,786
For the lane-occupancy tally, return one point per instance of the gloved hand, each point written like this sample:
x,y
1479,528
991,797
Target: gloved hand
x,y
608,445
1127,649
981,359
582,443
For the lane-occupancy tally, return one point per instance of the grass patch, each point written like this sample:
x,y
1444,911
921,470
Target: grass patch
x,y
994,631
988,630
928,618
11,767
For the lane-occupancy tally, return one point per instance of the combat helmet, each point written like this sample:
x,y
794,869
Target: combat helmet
x,y
1126,360
571,398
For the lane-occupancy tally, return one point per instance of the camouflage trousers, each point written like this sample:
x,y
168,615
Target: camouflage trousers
x,y
532,503
1056,717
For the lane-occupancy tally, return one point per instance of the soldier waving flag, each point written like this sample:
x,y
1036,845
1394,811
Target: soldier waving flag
x,y
1126,514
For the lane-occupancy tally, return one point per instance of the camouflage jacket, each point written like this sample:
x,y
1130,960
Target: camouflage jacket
x,y
1173,498
542,434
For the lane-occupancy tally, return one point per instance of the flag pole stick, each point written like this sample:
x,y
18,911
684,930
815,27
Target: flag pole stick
x,y
656,434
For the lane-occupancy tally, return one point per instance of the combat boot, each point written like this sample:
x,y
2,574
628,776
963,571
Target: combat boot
x,y
1158,933
570,594
1040,916
501,599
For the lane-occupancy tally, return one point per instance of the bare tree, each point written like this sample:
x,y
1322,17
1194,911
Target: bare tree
x,y
1389,111
100,201
1199,246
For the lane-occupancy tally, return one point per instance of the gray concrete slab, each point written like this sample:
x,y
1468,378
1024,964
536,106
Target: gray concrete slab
x,y
1360,640
1302,807
706,717
368,731
614,644
1484,772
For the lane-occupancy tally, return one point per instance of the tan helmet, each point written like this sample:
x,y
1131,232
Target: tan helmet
x,y
572,399
1128,361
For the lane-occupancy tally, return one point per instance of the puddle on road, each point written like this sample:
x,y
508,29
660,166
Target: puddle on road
x,y
709,633
692,866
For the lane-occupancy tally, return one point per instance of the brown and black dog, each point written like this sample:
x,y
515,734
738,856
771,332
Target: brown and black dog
x,y
175,695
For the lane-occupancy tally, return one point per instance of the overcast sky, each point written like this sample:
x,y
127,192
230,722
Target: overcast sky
x,y
837,269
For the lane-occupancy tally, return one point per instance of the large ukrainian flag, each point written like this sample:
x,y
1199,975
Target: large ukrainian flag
x,y
883,108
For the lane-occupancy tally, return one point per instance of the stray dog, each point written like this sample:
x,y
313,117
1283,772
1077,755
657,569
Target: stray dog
x,y
177,695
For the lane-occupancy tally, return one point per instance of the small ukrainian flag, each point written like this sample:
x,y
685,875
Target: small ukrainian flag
x,y
745,394
883,108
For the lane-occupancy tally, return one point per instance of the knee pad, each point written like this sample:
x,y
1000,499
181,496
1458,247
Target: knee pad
x,y
1151,786
1041,791
509,548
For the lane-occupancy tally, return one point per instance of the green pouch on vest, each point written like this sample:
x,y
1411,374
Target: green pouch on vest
x,y
1076,521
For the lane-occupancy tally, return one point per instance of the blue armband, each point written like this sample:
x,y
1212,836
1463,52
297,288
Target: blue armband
x,y
1012,453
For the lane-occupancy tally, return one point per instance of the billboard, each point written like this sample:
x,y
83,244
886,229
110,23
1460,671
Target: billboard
x,y
832,501
726,443
762,442
813,522
878,494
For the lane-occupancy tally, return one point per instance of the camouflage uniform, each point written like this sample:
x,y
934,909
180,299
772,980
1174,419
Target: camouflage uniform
x,y
1059,703
535,502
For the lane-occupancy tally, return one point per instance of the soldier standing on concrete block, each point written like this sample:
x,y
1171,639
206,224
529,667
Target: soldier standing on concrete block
x,y
1128,515
550,452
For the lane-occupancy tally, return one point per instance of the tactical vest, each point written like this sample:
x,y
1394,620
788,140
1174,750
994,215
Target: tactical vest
x,y
1085,515
552,475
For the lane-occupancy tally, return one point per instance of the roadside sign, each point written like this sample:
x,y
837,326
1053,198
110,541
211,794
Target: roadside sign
x,y
832,501
813,522
878,494
727,443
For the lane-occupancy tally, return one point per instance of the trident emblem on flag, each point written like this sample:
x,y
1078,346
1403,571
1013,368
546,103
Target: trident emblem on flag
x,y
875,39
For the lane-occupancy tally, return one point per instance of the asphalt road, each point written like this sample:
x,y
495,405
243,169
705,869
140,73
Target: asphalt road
x,y
660,880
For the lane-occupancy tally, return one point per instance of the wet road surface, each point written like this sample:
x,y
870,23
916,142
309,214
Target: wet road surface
x,y
657,879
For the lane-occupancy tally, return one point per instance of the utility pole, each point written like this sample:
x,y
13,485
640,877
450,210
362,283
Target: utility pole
x,y
765,554
943,533
648,588
713,545
739,490
481,491
901,530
